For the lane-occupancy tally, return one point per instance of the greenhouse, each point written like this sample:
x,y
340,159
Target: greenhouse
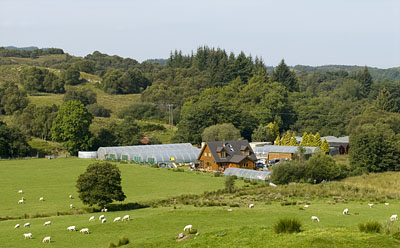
x,y
250,174
151,154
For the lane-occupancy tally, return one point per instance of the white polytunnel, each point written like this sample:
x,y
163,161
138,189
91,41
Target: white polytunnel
x,y
151,154
250,174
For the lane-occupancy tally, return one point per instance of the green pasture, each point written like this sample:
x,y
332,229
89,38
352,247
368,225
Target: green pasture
x,y
55,180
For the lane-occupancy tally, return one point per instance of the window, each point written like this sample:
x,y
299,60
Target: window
x,y
223,154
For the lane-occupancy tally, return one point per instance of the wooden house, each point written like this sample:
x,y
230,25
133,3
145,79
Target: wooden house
x,y
219,155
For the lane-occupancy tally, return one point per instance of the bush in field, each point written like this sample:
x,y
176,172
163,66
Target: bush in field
x,y
229,184
289,171
322,167
287,225
370,227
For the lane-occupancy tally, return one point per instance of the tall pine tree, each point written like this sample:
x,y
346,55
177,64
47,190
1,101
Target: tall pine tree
x,y
283,75
385,102
365,78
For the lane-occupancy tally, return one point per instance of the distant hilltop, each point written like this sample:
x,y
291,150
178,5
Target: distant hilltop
x,y
30,48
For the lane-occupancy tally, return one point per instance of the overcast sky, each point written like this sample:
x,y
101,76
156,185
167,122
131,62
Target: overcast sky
x,y
308,32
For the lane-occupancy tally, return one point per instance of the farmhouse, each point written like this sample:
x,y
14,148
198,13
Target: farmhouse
x,y
271,152
151,154
219,155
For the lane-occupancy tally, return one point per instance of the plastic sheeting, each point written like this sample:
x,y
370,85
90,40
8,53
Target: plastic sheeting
x,y
82,154
151,154
250,174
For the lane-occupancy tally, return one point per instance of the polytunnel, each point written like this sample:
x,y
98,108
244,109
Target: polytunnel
x,y
250,174
151,154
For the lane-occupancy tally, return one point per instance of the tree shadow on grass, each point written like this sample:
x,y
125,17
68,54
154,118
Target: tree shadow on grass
x,y
126,206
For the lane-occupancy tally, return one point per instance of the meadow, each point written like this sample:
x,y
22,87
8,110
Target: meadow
x,y
157,226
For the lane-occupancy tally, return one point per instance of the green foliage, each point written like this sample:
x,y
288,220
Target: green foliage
x,y
100,185
12,98
220,132
282,74
84,95
229,184
103,62
277,141
13,143
41,80
305,139
321,167
98,110
71,76
365,78
385,102
123,241
372,226
287,225
131,81
289,171
317,140
265,133
71,126
143,111
36,121
25,53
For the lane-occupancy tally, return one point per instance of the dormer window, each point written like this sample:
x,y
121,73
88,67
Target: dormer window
x,y
223,154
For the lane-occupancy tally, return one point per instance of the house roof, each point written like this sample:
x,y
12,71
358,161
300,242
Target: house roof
x,y
332,140
283,149
233,150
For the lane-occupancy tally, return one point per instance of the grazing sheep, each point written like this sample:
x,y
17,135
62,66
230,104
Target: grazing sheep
x,y
71,228
272,184
71,206
386,203
27,235
126,217
84,230
117,219
251,205
21,201
314,218
306,206
346,211
70,196
101,217
103,220
27,224
41,199
20,191
47,223
188,227
46,239
16,226
393,217
104,210
230,210
370,205
91,218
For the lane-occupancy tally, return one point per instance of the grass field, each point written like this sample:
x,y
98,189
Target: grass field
x,y
157,227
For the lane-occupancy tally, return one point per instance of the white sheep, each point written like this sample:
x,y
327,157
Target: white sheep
x,y
117,219
104,210
46,239
370,205
70,196
230,210
306,206
126,217
27,224
41,199
393,217
71,206
91,218
188,227
346,211
101,217
47,223
314,218
251,205
84,230
21,201
71,228
386,203
27,235
20,191
103,220
16,226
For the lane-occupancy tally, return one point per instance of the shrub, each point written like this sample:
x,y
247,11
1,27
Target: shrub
x,y
372,226
217,174
287,225
289,171
230,184
322,167
123,241
112,245
98,110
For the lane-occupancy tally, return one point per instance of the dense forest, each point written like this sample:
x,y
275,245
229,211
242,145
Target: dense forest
x,y
206,88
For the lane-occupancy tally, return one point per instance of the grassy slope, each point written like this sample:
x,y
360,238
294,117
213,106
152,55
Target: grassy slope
x,y
157,227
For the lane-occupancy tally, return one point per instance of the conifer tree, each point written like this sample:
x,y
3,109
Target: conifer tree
x,y
325,146
317,140
365,78
286,139
304,139
293,140
274,129
277,141
283,75
384,101
310,138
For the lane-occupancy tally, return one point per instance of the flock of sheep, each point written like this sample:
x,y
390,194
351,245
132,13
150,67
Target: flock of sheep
x,y
70,228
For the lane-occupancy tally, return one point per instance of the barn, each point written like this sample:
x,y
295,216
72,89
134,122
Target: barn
x,y
271,152
151,154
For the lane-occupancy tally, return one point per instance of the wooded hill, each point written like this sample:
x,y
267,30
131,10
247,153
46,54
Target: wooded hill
x,y
207,87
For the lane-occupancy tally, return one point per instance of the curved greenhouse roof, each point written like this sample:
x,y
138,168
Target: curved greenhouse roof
x,y
245,173
264,150
153,154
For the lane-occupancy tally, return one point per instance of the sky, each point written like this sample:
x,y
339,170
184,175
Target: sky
x,y
306,32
